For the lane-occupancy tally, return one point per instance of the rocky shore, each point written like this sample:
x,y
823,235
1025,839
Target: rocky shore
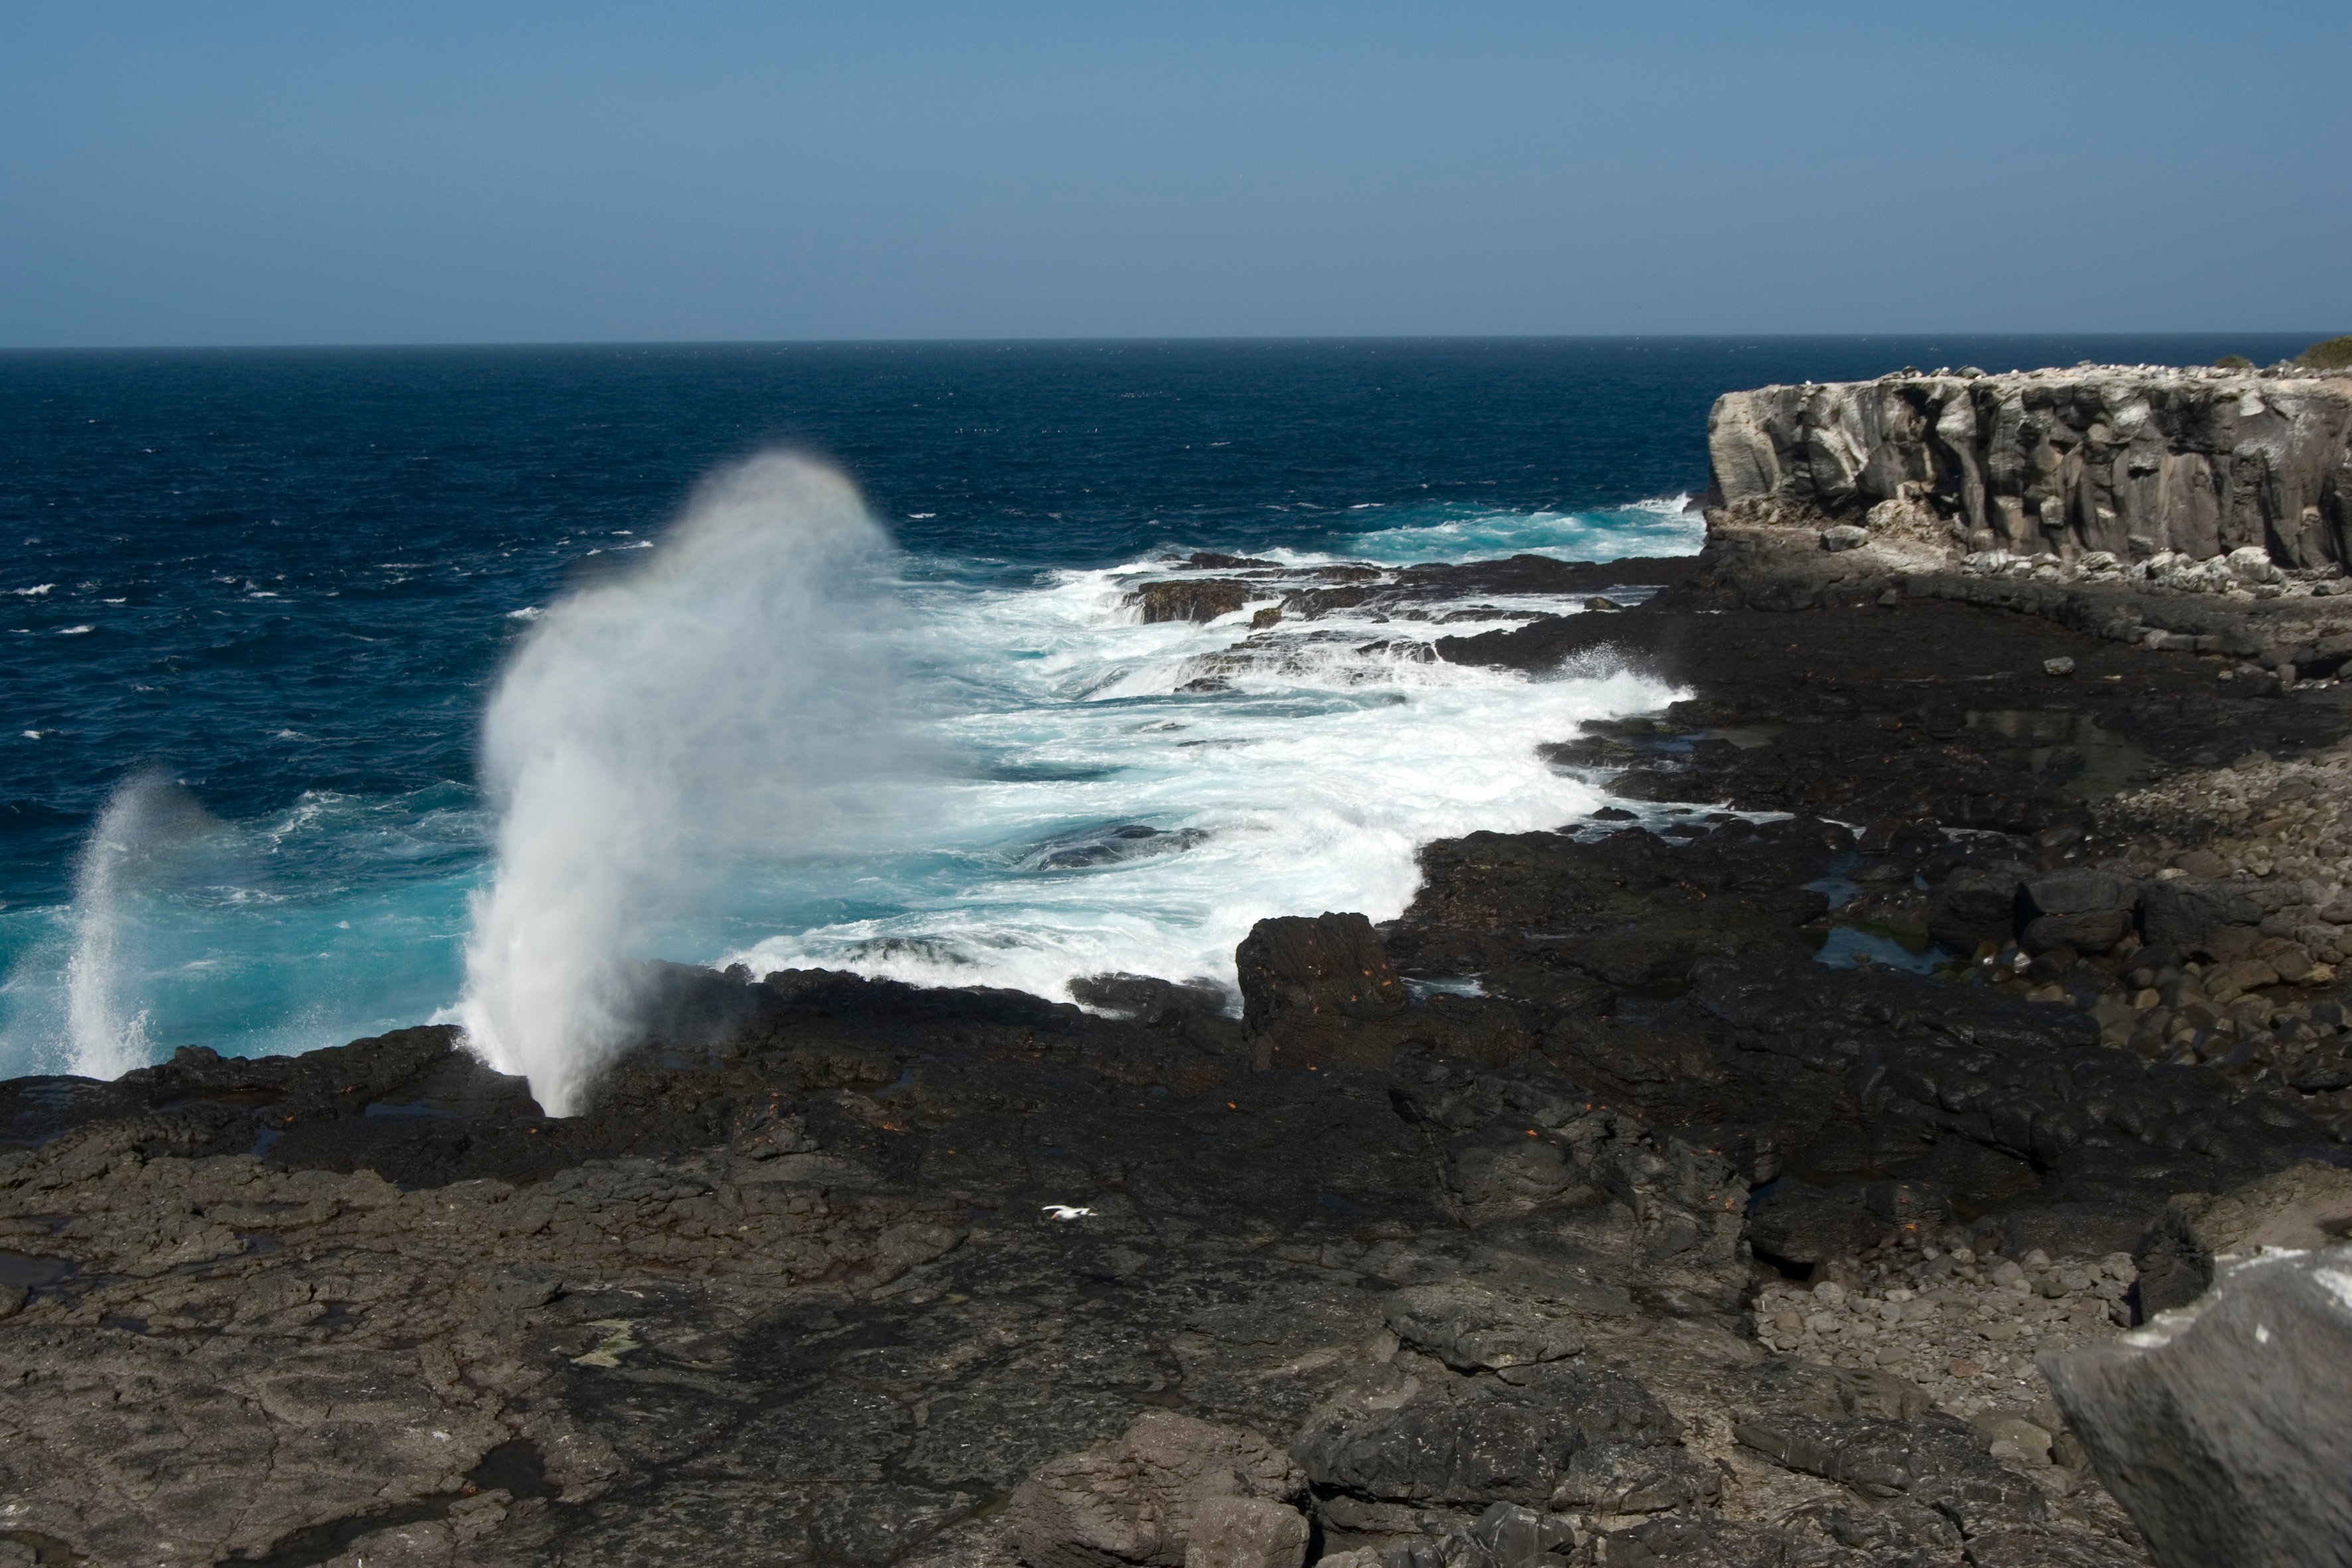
x,y
1700,1183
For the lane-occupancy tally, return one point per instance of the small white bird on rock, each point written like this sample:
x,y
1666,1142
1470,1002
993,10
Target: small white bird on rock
x,y
1064,1211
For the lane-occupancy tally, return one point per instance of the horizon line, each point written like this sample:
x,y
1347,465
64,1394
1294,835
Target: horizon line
x,y
450,345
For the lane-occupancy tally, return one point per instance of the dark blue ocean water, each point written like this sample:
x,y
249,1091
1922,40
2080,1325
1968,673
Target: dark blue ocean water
x,y
285,580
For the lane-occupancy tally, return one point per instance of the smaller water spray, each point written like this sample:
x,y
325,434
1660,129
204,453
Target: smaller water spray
x,y
148,818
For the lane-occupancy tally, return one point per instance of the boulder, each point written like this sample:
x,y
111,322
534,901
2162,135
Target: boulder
x,y
1972,907
2197,917
2089,911
2225,1428
1147,999
1332,965
1137,1498
1246,1533
1191,599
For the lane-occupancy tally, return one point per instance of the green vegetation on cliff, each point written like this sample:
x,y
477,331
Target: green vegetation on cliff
x,y
2335,354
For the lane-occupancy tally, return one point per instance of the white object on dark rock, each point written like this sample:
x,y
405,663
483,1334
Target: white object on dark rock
x,y
1068,1212
2062,665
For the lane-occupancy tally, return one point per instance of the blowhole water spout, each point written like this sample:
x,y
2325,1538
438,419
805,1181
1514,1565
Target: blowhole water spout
x,y
720,701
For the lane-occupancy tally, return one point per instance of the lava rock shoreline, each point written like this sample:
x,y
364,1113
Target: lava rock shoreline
x,y
1579,1216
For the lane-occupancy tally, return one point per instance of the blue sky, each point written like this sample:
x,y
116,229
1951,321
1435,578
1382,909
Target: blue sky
x,y
224,173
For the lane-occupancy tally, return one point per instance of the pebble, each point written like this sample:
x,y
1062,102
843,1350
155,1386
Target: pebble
x,y
1966,1328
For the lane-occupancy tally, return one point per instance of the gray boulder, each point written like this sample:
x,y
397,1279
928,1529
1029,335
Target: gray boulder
x,y
2199,919
2225,1428
2089,911
1973,907
1246,1533
1139,1498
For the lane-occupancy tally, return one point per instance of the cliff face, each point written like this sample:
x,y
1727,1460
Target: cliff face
x,y
2131,460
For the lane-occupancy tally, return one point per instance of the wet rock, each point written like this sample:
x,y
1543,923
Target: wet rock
x,y
2223,1427
1148,999
1331,965
1139,1498
1191,598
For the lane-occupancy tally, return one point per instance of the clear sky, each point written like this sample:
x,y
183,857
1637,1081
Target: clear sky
x,y
188,173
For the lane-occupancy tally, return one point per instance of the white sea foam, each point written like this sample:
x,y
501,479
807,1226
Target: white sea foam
x,y
720,704
1307,783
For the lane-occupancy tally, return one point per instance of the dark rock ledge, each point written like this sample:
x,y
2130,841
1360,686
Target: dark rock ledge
x,y
1662,1242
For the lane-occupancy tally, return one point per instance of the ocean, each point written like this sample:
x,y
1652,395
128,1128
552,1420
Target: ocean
x,y
254,606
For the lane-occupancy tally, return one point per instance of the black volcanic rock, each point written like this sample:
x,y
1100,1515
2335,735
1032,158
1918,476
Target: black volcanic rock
x,y
1332,965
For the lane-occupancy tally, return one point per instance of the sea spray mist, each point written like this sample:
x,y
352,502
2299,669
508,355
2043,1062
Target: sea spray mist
x,y
148,825
721,702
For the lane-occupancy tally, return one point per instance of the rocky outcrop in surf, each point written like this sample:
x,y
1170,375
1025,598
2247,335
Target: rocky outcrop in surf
x,y
2135,462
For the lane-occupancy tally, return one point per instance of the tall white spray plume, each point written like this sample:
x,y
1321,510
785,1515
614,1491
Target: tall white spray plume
x,y
148,818
658,731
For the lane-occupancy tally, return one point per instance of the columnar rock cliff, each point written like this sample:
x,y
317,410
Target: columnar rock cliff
x,y
2130,459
